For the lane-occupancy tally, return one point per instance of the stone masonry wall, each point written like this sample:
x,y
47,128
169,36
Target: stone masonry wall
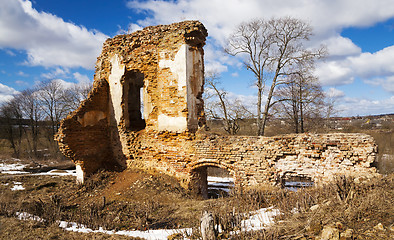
x,y
255,160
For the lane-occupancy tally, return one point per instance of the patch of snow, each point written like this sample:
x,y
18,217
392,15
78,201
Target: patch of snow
x,y
27,216
17,186
56,172
261,219
160,234
12,168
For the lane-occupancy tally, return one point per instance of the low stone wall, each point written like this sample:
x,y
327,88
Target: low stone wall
x,y
252,160
257,160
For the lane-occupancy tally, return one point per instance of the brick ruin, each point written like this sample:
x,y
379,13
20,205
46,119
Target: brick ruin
x,y
146,111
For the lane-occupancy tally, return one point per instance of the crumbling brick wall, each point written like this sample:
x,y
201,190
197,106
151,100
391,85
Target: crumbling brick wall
x,y
162,67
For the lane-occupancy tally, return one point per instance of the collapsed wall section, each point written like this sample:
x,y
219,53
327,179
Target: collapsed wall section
x,y
84,135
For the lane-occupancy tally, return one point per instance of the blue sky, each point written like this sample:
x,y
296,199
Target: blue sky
x,y
46,39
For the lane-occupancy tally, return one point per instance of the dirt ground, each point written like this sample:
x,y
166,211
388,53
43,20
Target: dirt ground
x,y
128,200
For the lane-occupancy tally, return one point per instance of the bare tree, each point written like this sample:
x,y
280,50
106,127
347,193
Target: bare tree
x,y
270,49
73,96
301,98
218,106
31,109
53,102
11,114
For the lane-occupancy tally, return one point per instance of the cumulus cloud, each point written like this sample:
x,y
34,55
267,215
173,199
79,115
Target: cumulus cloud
x,y
134,27
374,64
21,83
46,38
334,93
373,68
334,73
327,18
235,74
81,78
339,46
6,93
56,73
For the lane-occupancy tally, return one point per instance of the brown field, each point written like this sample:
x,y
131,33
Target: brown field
x,y
136,200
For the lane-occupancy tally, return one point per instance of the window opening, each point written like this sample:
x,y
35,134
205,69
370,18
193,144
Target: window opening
x,y
135,84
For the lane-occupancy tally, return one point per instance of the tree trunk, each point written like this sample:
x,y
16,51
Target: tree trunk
x,y
267,106
301,118
295,116
301,110
259,99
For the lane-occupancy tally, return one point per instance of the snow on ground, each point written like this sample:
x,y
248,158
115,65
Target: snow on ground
x,y
17,186
56,172
17,168
160,234
12,168
259,220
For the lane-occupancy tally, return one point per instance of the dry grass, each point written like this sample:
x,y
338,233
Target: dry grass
x,y
344,204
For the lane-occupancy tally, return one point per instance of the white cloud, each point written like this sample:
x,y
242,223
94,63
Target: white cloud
x,y
235,74
10,53
21,83
56,73
334,73
386,83
221,18
374,64
334,93
47,39
6,93
374,68
82,79
134,27
248,101
339,46
22,74
360,107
